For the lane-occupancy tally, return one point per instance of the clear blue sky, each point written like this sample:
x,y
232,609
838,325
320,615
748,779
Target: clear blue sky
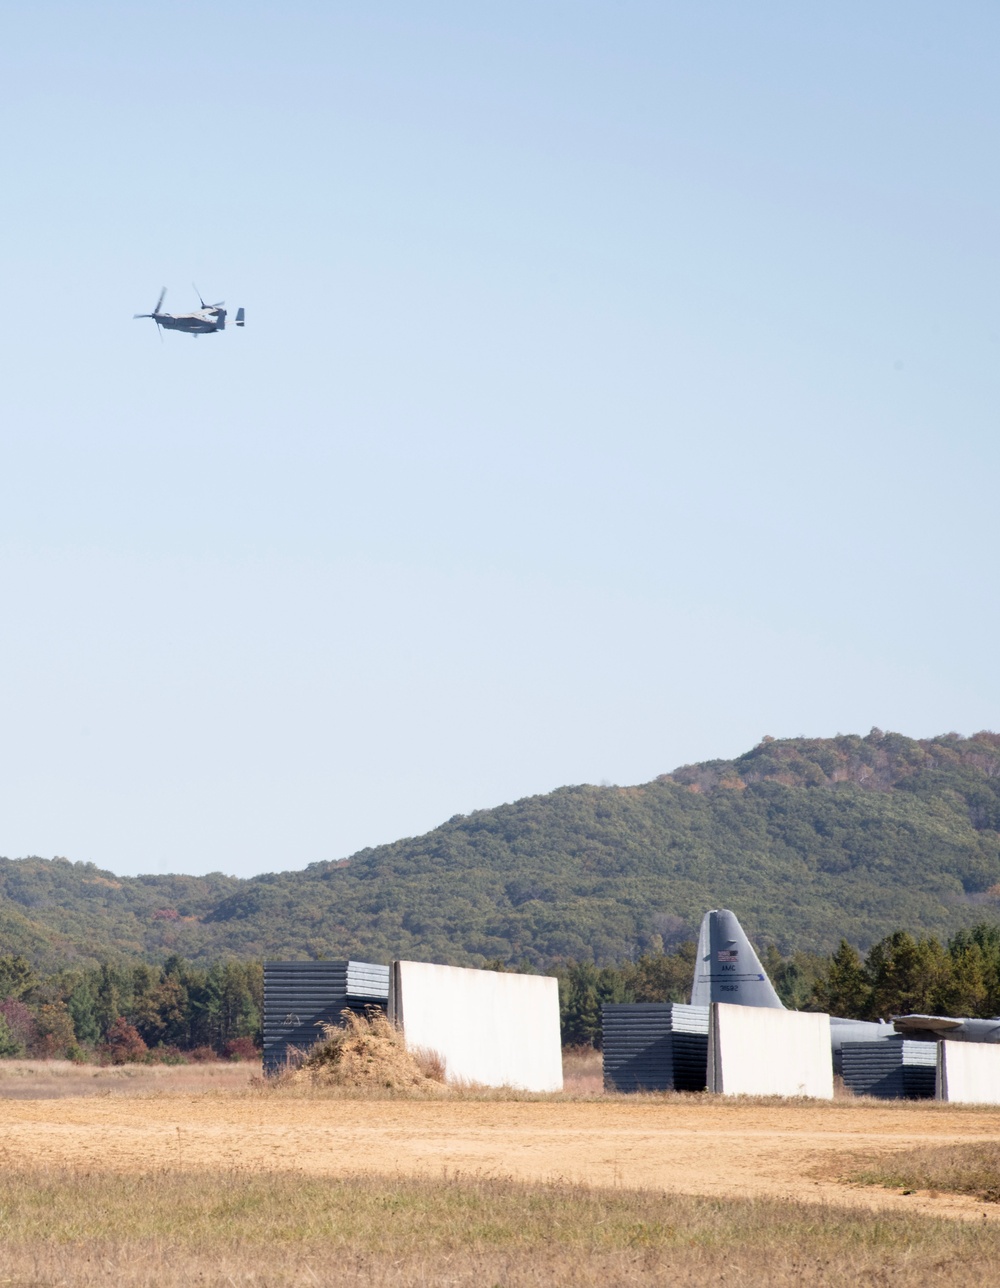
x,y
620,384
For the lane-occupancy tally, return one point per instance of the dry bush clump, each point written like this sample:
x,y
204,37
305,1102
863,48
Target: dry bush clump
x,y
954,1169
367,1053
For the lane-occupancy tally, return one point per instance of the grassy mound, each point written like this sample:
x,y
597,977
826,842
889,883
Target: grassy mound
x,y
369,1052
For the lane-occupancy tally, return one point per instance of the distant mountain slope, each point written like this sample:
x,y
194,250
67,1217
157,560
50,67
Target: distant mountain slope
x,y
806,839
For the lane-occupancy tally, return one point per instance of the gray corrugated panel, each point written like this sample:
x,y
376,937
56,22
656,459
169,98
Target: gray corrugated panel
x,y
299,997
689,1019
654,1046
894,1069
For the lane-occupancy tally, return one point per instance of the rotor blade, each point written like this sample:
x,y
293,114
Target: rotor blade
x,y
160,301
198,293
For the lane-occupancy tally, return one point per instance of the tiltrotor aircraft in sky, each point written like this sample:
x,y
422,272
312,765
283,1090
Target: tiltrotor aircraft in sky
x,y
728,970
203,321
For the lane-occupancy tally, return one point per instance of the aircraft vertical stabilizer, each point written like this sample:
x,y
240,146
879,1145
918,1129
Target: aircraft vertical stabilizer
x,y
727,969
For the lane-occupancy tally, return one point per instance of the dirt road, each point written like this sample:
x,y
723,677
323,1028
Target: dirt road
x,y
690,1146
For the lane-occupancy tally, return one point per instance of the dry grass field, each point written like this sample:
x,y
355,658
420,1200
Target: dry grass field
x,y
146,1178
54,1079
177,1228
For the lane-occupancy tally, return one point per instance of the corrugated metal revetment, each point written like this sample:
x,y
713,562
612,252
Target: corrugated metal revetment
x,y
299,997
654,1046
891,1070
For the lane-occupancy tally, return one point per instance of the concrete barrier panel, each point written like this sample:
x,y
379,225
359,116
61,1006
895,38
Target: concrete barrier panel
x,y
756,1051
968,1073
490,1027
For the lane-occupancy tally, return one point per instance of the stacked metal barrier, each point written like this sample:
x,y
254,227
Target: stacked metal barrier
x,y
892,1070
300,997
655,1046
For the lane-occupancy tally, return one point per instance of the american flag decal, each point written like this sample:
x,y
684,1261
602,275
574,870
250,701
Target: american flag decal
x,y
727,954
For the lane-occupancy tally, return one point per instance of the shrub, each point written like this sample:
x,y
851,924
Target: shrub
x,y
241,1049
169,1055
203,1054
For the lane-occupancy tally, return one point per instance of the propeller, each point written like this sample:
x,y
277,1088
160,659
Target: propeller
x,y
155,310
217,305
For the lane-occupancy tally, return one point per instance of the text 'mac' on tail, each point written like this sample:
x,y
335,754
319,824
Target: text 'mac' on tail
x,y
727,969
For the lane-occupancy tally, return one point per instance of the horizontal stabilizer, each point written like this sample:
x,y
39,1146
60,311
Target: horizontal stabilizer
x,y
925,1024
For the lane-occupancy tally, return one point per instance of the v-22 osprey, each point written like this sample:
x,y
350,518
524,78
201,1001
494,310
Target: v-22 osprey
x,y
203,321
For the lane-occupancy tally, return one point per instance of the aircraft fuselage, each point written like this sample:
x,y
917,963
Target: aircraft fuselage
x,y
193,323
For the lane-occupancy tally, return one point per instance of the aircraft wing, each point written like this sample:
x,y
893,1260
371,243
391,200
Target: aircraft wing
x,y
925,1024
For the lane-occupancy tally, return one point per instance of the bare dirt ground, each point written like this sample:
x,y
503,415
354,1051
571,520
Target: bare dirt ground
x,y
680,1144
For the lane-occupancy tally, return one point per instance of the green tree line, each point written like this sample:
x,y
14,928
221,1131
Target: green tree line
x,y
127,1011
175,1011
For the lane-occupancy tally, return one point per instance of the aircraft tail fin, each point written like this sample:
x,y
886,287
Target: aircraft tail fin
x,y
727,969
240,317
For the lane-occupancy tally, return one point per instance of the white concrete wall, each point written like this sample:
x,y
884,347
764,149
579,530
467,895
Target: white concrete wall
x,y
756,1051
490,1027
968,1073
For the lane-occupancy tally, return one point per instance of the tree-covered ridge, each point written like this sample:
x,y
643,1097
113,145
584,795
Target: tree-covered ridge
x,y
878,762
807,840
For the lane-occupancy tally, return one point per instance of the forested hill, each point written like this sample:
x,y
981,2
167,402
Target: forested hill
x,y
807,840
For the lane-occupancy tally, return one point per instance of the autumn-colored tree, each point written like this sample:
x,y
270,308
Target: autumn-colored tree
x,y
55,1036
123,1045
20,1022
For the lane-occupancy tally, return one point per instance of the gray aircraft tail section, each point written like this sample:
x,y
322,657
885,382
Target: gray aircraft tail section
x,y
727,969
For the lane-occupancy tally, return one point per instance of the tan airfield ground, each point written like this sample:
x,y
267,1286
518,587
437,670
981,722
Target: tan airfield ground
x,y
682,1144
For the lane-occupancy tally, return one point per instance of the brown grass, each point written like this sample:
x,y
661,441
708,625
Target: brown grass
x,y
263,1228
952,1169
56,1079
583,1072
